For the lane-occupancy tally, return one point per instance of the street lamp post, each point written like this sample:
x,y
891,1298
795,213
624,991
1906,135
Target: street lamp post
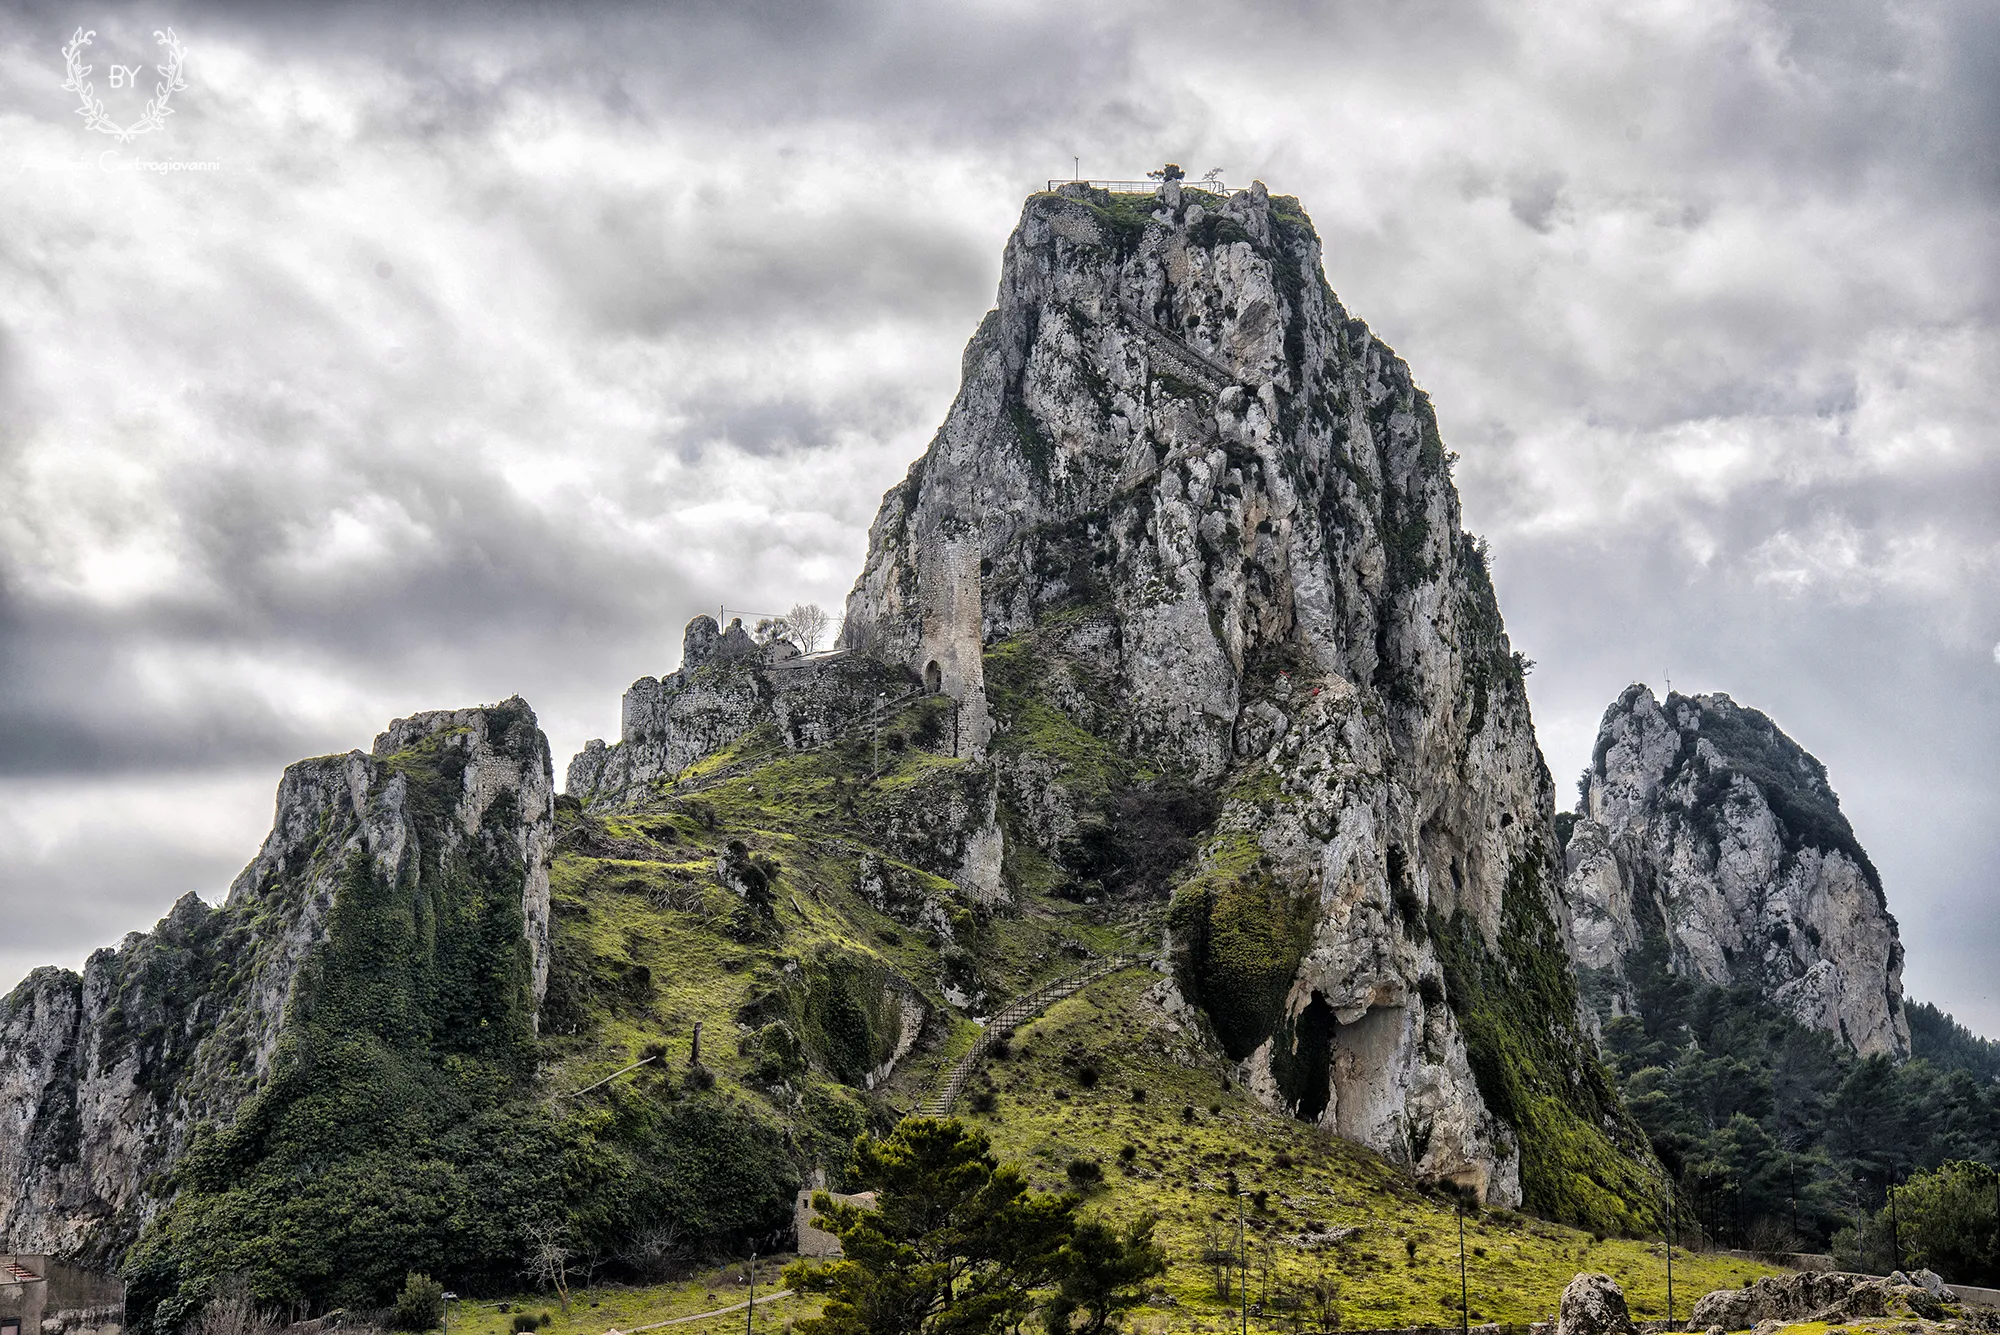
x,y
1895,1234
750,1309
449,1299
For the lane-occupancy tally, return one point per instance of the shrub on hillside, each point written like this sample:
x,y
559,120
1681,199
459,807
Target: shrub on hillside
x,y
420,1306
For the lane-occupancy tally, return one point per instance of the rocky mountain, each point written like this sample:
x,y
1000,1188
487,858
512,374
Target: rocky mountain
x,y
1185,562
1188,540
1171,646
104,1077
1710,844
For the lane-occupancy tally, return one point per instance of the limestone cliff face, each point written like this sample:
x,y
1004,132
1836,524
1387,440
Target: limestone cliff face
x,y
1711,844
1208,517
104,1076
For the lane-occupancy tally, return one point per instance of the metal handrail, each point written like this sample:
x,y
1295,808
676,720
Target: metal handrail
x,y
1149,186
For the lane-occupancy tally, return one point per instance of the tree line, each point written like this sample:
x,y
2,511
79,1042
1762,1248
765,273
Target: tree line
x,y
1779,1138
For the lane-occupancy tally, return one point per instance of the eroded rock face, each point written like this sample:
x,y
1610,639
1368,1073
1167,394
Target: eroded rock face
x,y
1192,479
103,1076
1710,843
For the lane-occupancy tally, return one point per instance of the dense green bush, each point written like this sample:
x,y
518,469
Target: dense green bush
x,y
420,1306
1947,1220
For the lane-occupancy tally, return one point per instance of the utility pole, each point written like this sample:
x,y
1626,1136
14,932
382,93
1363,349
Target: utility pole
x,y
750,1309
1242,1264
1895,1235
1670,1249
1464,1299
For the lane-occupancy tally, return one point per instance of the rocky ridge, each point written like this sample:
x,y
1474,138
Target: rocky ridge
x,y
1835,1297
1710,844
104,1076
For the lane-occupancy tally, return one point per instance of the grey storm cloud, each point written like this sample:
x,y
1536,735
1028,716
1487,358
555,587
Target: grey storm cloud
x,y
506,337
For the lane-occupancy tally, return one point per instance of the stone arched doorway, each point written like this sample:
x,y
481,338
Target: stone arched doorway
x,y
933,677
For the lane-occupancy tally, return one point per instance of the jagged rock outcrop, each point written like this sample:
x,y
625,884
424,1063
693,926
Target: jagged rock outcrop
x,y
104,1076
726,685
1834,1296
1709,843
1186,505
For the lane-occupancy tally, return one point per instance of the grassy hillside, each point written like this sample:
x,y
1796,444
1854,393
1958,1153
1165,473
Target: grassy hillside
x,y
792,908
1316,1204
789,902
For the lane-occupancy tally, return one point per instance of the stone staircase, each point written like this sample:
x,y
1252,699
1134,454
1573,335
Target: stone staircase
x,y
943,1096
1180,357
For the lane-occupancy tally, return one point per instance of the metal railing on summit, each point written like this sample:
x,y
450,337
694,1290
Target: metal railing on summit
x,y
1148,187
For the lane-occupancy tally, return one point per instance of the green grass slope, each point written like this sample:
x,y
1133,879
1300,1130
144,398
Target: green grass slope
x,y
787,902
1110,1079
791,908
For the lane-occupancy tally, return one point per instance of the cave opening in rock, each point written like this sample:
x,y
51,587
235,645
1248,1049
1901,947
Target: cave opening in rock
x,y
1302,1059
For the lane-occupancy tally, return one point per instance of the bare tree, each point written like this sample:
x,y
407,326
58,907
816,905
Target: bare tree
x,y
807,623
656,1252
861,635
1216,1254
548,1259
1323,1298
230,1310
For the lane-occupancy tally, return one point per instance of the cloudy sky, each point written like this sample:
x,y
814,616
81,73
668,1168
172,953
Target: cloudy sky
x,y
498,341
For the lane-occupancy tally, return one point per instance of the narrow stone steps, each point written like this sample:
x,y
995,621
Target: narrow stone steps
x,y
944,1095
1191,365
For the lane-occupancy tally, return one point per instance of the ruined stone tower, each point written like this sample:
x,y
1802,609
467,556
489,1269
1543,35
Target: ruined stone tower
x,y
950,640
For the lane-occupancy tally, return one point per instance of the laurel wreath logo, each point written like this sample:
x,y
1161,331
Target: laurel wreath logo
x,y
157,109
